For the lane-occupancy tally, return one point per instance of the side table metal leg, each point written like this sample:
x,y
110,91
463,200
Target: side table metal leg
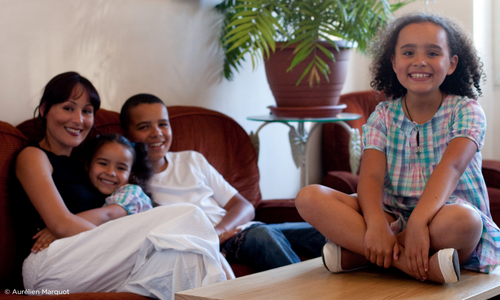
x,y
254,138
354,146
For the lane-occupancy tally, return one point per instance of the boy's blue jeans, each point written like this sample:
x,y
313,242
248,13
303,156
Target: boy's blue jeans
x,y
268,246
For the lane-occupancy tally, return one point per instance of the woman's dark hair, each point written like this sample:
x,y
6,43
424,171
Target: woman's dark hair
x,y
133,102
467,75
59,90
142,171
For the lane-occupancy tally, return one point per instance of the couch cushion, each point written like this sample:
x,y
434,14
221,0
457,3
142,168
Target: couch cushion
x,y
11,141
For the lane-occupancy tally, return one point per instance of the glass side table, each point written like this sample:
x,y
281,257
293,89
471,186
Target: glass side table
x,y
299,138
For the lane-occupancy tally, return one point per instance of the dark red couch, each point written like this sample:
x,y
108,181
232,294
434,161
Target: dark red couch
x,y
335,155
219,138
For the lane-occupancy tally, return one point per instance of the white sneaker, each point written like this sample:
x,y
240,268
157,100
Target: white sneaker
x,y
449,265
331,257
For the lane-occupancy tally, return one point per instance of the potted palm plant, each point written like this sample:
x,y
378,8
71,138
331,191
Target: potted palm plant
x,y
304,43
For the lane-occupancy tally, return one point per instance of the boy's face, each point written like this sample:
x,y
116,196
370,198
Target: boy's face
x,y
149,124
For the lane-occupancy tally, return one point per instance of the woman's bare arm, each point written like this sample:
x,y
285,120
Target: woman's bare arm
x,y
34,172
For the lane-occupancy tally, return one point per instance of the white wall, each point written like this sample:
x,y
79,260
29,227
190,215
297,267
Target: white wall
x,y
165,47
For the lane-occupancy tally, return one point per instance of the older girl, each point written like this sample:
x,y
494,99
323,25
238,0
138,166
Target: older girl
x,y
422,204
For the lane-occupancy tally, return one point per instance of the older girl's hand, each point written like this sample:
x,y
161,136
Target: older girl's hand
x,y
417,244
381,246
43,240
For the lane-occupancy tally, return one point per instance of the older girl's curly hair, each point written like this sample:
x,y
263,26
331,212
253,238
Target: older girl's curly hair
x,y
462,82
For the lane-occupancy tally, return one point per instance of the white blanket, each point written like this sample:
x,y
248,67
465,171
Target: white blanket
x,y
155,253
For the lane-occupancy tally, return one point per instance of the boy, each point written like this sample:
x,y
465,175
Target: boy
x,y
187,177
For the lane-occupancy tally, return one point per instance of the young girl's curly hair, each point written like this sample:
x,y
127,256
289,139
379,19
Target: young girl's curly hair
x,y
462,82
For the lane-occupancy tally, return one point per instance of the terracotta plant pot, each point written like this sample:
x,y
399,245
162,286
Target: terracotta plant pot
x,y
302,100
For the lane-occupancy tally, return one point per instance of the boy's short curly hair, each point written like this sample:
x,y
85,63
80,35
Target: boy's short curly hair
x,y
462,82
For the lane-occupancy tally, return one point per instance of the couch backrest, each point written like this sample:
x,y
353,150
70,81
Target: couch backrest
x,y
218,137
335,139
223,142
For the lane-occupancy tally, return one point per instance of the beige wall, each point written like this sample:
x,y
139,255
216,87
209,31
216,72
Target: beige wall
x,y
164,47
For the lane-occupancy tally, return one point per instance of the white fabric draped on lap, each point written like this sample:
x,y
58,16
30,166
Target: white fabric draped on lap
x,y
155,253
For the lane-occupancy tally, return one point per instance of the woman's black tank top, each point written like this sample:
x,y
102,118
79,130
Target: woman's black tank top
x,y
75,188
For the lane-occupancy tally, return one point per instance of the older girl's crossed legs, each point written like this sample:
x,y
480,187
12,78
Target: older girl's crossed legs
x,y
339,218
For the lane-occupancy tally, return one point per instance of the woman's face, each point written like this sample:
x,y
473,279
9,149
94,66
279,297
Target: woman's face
x,y
110,167
69,122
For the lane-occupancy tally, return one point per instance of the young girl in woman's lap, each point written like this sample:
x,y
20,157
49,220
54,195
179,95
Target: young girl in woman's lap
x,y
422,204
121,171
118,170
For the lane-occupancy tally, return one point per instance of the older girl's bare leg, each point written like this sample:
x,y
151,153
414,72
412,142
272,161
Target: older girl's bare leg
x,y
456,226
338,217
446,232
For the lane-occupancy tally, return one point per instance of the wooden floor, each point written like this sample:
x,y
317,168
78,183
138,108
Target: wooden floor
x,y
309,280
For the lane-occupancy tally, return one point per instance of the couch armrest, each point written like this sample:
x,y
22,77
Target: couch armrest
x,y
491,173
277,211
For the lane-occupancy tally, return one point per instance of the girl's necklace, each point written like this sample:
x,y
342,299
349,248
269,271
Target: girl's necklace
x,y
418,126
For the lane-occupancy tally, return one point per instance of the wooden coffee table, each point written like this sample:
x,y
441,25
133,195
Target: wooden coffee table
x,y
309,280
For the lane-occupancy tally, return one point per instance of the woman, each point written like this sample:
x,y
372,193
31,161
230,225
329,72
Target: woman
x,y
157,254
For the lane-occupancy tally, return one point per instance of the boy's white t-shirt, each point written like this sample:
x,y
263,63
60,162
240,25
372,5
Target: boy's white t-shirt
x,y
189,178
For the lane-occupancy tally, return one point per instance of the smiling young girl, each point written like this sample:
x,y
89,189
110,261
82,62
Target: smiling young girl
x,y
422,204
119,171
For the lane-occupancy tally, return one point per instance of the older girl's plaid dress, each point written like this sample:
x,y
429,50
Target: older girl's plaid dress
x,y
409,165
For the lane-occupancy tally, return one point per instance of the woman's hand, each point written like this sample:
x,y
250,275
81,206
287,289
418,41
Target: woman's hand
x,y
381,245
43,240
417,244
